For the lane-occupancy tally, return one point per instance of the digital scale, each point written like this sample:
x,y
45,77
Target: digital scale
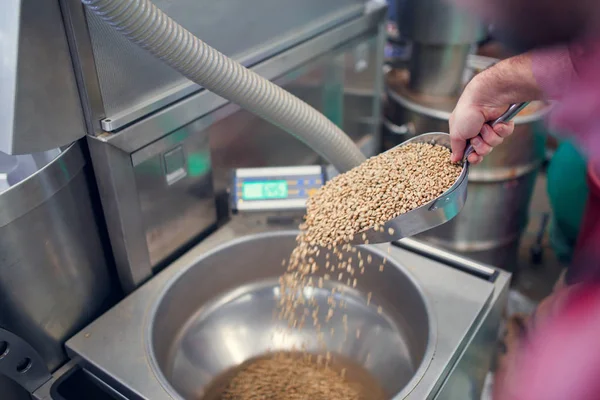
x,y
275,188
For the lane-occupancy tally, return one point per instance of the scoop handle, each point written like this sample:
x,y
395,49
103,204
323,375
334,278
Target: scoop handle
x,y
509,114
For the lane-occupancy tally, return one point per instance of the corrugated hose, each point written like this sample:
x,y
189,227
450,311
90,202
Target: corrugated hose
x,y
147,26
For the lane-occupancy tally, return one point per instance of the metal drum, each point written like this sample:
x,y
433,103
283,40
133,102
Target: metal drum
x,y
54,275
500,188
442,36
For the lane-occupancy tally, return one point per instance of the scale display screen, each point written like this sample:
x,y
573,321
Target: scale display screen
x,y
265,190
275,188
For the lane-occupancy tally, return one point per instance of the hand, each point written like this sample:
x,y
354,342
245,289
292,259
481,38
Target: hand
x,y
477,105
485,99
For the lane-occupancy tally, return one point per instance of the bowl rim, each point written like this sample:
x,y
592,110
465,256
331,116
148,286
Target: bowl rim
x,y
406,390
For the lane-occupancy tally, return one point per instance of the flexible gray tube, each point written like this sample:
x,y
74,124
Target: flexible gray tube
x,y
147,26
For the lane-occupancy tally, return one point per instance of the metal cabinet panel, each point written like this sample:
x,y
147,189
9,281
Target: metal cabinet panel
x,y
39,101
341,84
133,82
153,205
174,181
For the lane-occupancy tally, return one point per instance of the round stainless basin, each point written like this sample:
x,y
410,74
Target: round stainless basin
x,y
219,312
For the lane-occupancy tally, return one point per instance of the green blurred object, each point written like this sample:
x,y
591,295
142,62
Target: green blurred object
x,y
198,164
567,192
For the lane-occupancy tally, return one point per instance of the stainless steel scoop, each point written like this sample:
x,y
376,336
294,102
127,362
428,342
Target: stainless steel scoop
x,y
437,211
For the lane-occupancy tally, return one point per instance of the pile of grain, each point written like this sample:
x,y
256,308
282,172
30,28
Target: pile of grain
x,y
289,378
378,190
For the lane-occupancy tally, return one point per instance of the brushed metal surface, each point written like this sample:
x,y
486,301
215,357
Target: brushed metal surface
x,y
20,194
438,22
331,83
467,378
503,254
442,35
115,178
340,83
189,109
54,274
176,206
117,346
451,259
495,214
82,56
132,81
219,313
437,70
39,100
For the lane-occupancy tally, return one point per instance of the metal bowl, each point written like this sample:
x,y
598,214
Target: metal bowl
x,y
219,313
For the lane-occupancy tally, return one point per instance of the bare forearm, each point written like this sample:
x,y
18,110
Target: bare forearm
x,y
540,74
510,81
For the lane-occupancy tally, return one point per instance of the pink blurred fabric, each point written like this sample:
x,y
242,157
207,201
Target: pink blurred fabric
x,y
571,75
560,359
553,70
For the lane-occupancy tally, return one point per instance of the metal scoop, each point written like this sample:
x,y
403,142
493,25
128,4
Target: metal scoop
x,y
439,210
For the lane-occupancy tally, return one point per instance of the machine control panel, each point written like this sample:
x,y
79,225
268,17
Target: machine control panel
x,y
275,188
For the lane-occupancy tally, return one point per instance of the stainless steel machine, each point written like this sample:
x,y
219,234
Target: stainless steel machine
x,y
54,268
134,197
213,309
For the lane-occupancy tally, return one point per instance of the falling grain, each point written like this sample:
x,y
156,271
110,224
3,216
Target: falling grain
x,y
346,207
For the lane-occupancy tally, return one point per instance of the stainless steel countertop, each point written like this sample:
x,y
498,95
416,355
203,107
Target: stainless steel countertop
x,y
115,346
